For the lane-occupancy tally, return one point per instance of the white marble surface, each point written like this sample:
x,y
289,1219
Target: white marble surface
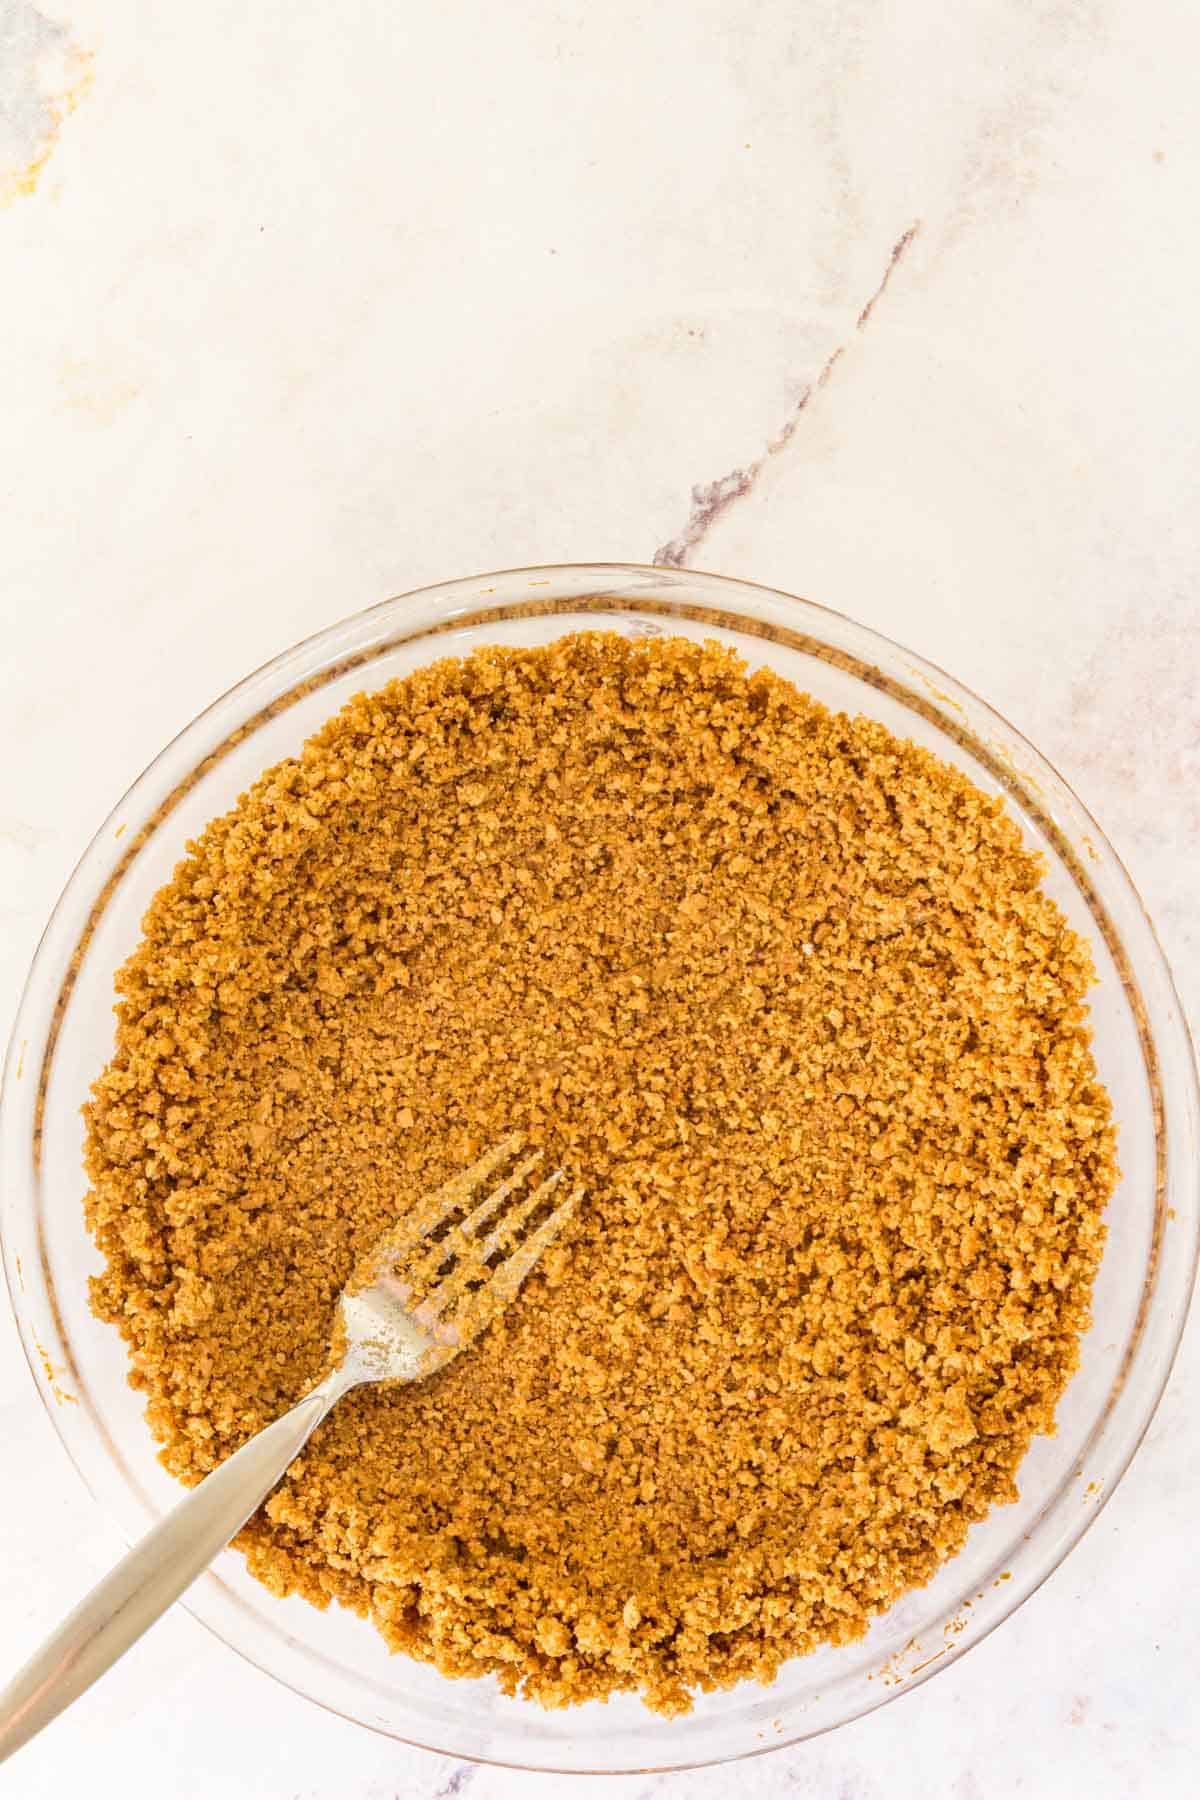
x,y
894,305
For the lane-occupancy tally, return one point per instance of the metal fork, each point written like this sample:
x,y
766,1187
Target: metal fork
x,y
390,1327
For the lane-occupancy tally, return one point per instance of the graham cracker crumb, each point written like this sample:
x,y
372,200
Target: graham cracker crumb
x,y
782,991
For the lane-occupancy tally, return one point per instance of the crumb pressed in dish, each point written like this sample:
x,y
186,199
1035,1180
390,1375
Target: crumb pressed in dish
x,y
782,990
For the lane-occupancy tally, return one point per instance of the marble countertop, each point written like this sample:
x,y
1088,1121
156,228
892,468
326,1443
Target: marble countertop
x,y
890,305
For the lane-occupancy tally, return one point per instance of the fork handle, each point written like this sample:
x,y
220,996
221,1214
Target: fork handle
x,y
155,1572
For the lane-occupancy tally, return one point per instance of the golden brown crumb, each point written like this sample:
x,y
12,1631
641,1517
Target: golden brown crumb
x,y
782,990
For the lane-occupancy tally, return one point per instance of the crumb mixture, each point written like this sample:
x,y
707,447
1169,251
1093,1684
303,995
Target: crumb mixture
x,y
781,991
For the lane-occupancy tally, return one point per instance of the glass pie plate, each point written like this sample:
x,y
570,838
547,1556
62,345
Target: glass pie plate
x,y
63,1036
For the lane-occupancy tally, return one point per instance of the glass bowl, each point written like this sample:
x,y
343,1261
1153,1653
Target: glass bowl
x,y
64,1033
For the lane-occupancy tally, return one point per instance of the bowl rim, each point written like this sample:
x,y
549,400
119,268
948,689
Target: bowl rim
x,y
1177,1105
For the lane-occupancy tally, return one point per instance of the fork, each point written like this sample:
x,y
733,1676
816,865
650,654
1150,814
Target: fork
x,y
389,1327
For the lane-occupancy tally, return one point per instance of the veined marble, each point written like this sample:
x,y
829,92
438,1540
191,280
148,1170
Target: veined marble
x,y
891,305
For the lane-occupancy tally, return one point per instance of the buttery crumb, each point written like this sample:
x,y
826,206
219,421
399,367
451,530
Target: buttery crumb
x,y
781,990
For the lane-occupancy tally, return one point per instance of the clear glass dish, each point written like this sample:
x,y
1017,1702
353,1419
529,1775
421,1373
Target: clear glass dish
x,y
63,1036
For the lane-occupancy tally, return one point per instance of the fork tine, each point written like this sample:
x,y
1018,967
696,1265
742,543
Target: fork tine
x,y
509,1274
510,1226
437,1207
470,1309
483,1212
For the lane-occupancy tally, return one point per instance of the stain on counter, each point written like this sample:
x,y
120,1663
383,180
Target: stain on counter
x,y
43,77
